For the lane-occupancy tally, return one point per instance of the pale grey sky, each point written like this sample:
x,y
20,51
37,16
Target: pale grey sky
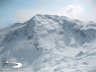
x,y
21,10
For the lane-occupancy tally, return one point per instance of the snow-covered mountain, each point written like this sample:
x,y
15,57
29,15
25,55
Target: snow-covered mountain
x,y
50,43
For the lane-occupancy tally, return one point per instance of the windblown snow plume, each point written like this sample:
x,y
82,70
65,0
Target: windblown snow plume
x,y
48,43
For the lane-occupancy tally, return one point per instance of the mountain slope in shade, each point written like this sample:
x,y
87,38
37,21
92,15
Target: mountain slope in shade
x,y
50,43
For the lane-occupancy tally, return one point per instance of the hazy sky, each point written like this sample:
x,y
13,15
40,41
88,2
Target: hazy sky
x,y
21,10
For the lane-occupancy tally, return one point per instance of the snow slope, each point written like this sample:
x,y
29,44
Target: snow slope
x,y
50,43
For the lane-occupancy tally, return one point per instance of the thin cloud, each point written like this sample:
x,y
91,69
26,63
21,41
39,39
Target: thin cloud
x,y
71,11
77,12
24,15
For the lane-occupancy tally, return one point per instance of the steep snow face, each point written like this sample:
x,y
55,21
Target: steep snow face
x,y
51,43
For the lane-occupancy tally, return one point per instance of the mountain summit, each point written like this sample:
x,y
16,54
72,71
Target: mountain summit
x,y
51,43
